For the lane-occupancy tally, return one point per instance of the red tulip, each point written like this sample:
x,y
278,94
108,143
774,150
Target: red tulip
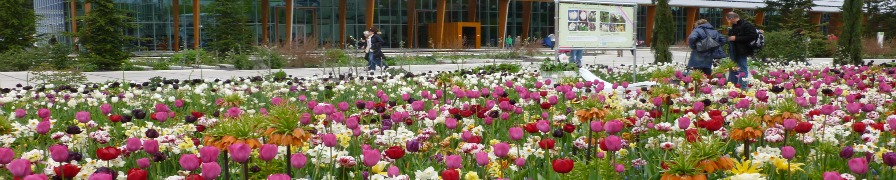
x,y
545,105
714,125
474,139
546,144
803,127
395,152
67,170
450,174
692,135
569,128
137,174
194,177
858,127
530,128
563,165
115,118
108,153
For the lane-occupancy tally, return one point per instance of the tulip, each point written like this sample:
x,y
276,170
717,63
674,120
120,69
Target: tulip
x,y
59,153
516,133
82,116
43,113
611,143
100,176
858,165
138,174
209,154
453,161
329,140
6,155
852,108
520,162
395,152
189,162
859,127
371,157
543,126
351,122
133,144
19,167
107,153
789,124
481,158
501,149
298,160
803,127
450,174
239,152
210,170
20,113
36,177
143,163
684,122
832,176
67,170
546,144
43,127
597,126
412,145
847,152
343,106
267,152
151,146
889,159
787,152
106,108
613,127
827,109
451,123
279,177
620,168
393,171
563,165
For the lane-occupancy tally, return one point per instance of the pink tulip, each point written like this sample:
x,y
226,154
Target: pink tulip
x,y
267,152
19,167
453,161
789,124
143,163
59,153
209,154
279,177
858,165
613,143
189,162
516,133
298,160
151,146
43,127
466,135
613,127
6,155
100,176
371,157
83,116
620,168
742,104
36,177
892,124
133,144
831,175
162,108
520,162
239,152
343,106
684,123
20,113
481,158
788,152
393,171
210,170
543,126
597,126
179,103
501,149
43,113
106,108
853,108
451,123
329,140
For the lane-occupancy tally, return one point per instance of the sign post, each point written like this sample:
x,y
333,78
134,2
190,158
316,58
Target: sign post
x,y
880,39
588,25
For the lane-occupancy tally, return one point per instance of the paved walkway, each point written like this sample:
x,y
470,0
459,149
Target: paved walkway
x,y
10,79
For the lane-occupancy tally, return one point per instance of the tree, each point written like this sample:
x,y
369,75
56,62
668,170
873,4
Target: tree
x,y
229,30
663,34
17,20
103,35
850,50
881,14
788,15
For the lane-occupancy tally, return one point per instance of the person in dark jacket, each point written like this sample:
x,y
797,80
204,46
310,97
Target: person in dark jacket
x,y
702,60
375,49
740,35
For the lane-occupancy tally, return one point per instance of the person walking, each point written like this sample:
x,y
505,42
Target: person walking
x,y
740,35
508,42
702,59
576,56
374,49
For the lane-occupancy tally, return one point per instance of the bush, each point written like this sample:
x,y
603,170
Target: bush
x,y
240,61
410,60
272,58
55,56
511,68
553,66
188,57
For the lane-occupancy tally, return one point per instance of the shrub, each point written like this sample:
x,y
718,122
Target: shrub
x,y
240,61
189,57
553,66
271,58
55,56
511,68
873,50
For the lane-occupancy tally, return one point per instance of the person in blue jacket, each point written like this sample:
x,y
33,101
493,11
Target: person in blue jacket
x,y
702,60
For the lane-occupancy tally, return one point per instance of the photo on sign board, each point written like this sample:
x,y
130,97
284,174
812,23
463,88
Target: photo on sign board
x,y
583,15
620,27
612,27
572,26
592,26
604,27
573,15
592,16
604,16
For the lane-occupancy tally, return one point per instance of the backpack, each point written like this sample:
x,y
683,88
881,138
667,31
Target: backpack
x,y
759,42
707,43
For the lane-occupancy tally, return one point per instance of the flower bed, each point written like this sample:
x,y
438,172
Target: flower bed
x,y
794,122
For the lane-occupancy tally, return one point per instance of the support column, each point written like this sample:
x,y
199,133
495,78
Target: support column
x,y
651,17
277,40
502,21
175,12
371,7
815,18
760,18
74,14
86,7
472,6
265,5
288,19
342,11
691,19
836,24
196,24
527,19
440,23
412,22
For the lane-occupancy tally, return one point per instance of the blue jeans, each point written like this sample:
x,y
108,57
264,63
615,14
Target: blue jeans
x,y
576,57
372,61
742,71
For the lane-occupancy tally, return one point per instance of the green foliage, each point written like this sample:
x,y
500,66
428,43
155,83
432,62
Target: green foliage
x,y
57,77
553,66
850,50
240,61
784,46
511,68
104,35
272,58
55,56
410,60
504,55
881,14
663,32
189,57
17,20
790,15
229,31
161,65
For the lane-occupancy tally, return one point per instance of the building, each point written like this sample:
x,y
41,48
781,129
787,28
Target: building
x,y
165,25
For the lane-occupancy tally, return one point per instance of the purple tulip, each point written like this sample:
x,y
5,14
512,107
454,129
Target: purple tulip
x,y
189,162
43,127
133,144
210,170
239,152
516,133
59,153
847,152
453,161
267,152
889,159
298,160
501,149
412,145
209,154
151,146
858,165
83,116
788,152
